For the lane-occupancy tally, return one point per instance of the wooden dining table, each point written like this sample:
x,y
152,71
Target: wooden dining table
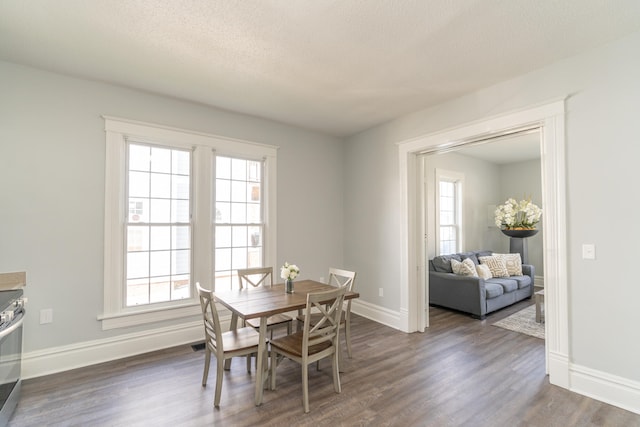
x,y
265,301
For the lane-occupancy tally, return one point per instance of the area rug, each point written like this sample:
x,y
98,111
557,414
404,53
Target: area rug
x,y
524,322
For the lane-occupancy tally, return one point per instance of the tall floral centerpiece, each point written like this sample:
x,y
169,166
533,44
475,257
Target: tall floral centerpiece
x,y
518,220
514,215
289,272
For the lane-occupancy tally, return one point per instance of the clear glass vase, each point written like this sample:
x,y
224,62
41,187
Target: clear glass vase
x,y
288,287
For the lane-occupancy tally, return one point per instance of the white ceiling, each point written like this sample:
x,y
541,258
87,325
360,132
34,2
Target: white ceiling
x,y
335,66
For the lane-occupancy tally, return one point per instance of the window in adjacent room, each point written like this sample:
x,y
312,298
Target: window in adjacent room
x,y
449,211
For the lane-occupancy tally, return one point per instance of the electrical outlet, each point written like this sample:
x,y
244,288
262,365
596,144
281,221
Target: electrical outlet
x,y
380,293
46,316
588,251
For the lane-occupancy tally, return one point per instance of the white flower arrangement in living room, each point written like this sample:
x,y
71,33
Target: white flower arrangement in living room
x,y
514,215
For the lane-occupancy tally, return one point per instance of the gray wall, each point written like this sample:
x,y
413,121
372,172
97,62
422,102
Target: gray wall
x,y
520,180
52,166
601,165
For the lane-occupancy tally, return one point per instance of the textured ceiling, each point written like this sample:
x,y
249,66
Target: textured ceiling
x,y
338,67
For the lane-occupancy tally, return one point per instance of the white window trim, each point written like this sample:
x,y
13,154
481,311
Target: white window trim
x,y
115,315
458,178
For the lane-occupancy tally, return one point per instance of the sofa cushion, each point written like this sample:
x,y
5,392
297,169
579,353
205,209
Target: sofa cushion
x,y
496,265
464,268
509,285
523,281
469,255
483,253
442,263
513,263
483,271
492,290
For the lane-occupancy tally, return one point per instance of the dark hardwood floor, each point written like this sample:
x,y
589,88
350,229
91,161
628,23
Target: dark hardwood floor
x,y
461,372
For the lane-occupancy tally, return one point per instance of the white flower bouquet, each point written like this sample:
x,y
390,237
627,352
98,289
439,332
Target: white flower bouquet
x,y
514,215
289,271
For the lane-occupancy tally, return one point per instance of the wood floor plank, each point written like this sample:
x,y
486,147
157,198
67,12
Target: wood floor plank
x,y
460,372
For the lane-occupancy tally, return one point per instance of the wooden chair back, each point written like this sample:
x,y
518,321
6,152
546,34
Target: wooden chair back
x,y
212,330
325,330
262,276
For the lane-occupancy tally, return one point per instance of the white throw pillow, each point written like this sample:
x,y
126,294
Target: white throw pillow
x,y
513,263
464,268
483,271
496,265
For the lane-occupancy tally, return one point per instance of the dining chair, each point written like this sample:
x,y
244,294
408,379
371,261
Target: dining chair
x,y
263,276
313,342
338,278
224,345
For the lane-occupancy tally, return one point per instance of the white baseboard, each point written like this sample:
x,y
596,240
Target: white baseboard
x,y
64,358
605,387
378,314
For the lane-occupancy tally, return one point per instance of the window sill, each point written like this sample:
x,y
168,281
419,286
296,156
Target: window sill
x,y
140,317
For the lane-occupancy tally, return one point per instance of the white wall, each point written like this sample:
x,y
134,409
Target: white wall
x,y
602,153
52,166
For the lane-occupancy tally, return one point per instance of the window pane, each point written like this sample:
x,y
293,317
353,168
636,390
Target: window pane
x,y
223,190
181,162
160,210
139,157
254,171
238,213
223,259
238,191
180,187
180,211
160,159
223,213
180,288
160,185
181,238
137,238
239,169
223,167
160,238
139,184
159,263
239,236
223,237
238,258
160,289
161,250
137,264
180,261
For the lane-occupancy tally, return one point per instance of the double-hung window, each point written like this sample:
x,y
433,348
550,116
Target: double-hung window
x,y
180,207
449,211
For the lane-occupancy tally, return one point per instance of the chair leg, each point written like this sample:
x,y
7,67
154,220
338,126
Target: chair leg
x,y
347,336
336,372
219,375
305,386
274,363
289,328
249,363
207,362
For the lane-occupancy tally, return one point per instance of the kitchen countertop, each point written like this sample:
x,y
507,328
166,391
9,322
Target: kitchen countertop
x,y
13,280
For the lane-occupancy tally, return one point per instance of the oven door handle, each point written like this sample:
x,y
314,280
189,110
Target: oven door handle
x,y
14,325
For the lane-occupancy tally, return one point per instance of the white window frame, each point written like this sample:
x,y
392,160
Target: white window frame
x,y
458,179
115,313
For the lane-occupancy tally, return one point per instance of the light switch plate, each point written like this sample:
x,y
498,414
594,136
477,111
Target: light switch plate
x,y
588,251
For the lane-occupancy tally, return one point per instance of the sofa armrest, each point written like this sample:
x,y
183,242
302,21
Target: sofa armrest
x,y
529,270
464,293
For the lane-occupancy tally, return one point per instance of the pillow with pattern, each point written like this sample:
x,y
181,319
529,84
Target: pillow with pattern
x,y
496,265
513,263
483,271
464,268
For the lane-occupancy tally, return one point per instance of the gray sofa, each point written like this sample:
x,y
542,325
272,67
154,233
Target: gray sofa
x,y
475,295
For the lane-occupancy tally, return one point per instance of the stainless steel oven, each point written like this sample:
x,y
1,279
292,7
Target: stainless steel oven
x,y
11,317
